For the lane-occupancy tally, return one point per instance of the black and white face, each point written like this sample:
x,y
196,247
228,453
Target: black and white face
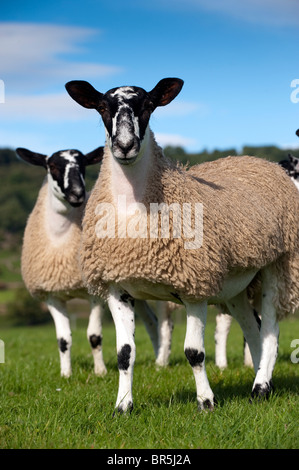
x,y
66,171
125,112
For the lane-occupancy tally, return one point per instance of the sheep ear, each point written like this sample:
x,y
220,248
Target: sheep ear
x,y
297,132
84,93
32,157
96,156
165,91
293,159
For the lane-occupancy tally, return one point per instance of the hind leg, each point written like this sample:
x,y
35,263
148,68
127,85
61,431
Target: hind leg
x,y
223,323
269,336
94,335
143,310
165,327
243,312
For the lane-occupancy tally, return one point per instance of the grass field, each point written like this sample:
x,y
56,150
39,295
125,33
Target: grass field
x,y
41,410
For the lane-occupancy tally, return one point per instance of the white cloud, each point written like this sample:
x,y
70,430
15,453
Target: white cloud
x,y
47,107
291,146
38,55
182,108
268,12
174,140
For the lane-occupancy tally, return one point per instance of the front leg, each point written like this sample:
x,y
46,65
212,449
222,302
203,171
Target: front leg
x,y
58,310
195,352
122,309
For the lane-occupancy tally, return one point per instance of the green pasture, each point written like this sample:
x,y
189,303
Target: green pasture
x,y
39,409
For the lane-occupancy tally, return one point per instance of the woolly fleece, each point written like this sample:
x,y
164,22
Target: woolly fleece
x,y
48,268
250,221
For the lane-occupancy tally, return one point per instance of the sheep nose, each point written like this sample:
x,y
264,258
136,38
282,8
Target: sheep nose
x,y
125,148
76,196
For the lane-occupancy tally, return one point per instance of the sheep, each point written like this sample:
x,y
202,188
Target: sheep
x,y
50,263
239,224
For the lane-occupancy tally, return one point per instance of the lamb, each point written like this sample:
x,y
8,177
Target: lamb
x,y
50,263
240,223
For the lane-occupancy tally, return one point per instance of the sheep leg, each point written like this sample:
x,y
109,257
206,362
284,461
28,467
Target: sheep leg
x,y
121,306
58,310
165,327
195,352
269,337
150,321
223,323
247,356
243,312
94,335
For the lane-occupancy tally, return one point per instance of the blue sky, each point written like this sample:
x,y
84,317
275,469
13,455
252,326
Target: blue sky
x,y
238,60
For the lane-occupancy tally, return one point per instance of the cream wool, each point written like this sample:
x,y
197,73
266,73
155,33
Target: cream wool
x,y
47,267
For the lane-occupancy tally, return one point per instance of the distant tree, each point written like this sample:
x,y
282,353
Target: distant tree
x,y
8,157
269,152
176,153
27,311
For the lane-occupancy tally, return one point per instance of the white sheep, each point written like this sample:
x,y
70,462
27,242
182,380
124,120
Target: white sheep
x,y
235,223
50,262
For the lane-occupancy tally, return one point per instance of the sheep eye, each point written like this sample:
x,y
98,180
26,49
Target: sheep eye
x,y
102,109
148,106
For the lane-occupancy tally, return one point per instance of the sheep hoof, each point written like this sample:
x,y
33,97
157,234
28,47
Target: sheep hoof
x,y
66,374
206,405
100,371
161,364
122,410
262,391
